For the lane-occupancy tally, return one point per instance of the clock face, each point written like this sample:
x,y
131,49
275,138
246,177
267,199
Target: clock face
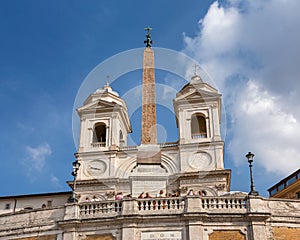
x,y
96,167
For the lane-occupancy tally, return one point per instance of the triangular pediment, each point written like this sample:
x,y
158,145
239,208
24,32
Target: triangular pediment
x,y
197,92
97,105
200,87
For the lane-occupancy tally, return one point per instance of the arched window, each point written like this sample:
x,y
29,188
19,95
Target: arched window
x,y
198,126
121,143
99,135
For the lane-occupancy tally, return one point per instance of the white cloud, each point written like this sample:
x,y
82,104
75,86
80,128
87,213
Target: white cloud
x,y
251,49
55,181
261,124
36,156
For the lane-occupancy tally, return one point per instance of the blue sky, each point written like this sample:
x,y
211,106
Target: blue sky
x,y
49,47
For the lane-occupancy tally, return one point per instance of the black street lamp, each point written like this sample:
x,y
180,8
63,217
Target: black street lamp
x,y
252,187
76,166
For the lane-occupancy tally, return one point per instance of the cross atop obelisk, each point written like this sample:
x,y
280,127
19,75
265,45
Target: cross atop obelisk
x,y
148,94
148,40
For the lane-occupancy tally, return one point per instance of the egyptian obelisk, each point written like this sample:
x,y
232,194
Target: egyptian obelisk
x,y
148,95
149,150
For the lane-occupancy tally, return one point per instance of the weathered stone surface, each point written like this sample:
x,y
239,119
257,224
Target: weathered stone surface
x,y
148,100
161,235
152,185
149,154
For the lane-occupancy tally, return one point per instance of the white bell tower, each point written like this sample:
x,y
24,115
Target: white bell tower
x,y
198,111
104,121
104,127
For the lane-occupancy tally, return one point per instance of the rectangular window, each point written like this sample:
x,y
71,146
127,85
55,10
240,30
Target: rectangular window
x,y
280,187
291,180
49,203
298,195
7,206
273,191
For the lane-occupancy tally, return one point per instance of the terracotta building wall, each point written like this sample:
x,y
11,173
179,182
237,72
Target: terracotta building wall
x,y
227,235
49,237
286,233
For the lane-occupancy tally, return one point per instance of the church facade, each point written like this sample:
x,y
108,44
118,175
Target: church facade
x,y
154,191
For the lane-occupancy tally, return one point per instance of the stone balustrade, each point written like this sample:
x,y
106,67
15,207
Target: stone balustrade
x,y
172,205
223,203
50,220
98,144
168,144
199,135
160,204
130,148
100,208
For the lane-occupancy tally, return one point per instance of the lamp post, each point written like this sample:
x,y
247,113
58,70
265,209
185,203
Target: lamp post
x,y
252,192
76,166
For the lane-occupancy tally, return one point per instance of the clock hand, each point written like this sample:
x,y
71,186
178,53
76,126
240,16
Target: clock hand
x,y
95,168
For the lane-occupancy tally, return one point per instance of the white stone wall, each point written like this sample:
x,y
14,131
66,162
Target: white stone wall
x,y
183,218
32,201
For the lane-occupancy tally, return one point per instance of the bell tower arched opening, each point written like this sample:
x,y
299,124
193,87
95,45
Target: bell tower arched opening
x,y
121,139
99,134
198,126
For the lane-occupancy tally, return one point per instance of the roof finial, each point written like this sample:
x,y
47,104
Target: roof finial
x,y
196,78
195,71
107,80
148,40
